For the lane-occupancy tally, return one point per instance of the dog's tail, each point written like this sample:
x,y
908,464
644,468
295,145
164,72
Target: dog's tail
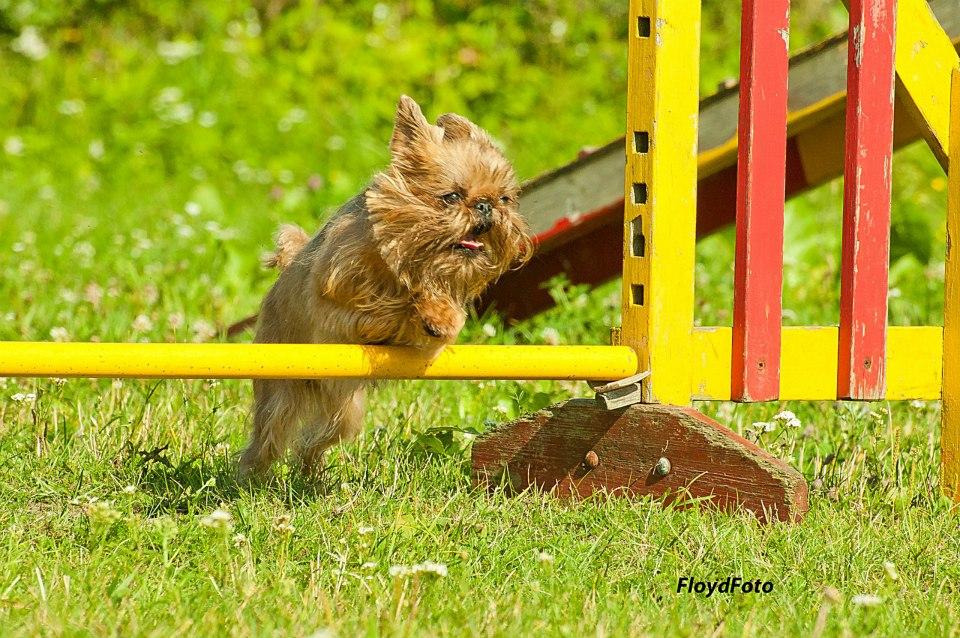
x,y
290,241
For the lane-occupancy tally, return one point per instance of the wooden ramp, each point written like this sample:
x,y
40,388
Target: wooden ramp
x,y
576,211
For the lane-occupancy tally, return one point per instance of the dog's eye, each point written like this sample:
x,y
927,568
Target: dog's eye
x,y
451,198
505,200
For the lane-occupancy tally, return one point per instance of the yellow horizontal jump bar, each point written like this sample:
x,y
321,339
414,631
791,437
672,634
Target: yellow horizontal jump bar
x,y
276,361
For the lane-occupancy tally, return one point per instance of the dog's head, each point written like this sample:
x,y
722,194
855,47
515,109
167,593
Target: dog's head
x,y
444,214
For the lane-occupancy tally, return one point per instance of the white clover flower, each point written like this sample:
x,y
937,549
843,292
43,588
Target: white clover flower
x,y
93,294
203,330
891,570
178,51
282,525
368,565
13,145
71,107
96,149
207,119
24,397
101,512
130,489
866,600
398,570
142,323
431,568
558,29
363,531
550,336
381,11
218,519
30,44
59,334
490,330
788,419
544,557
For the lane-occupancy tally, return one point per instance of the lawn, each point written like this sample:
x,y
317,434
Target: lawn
x,y
149,152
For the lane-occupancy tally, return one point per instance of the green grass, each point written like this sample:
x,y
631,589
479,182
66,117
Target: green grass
x,y
126,214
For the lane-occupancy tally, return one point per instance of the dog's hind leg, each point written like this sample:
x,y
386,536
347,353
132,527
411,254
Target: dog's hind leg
x,y
276,413
335,414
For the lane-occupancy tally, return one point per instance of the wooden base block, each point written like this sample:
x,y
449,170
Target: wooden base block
x,y
576,448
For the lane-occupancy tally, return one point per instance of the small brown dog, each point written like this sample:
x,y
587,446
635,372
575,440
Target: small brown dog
x,y
398,264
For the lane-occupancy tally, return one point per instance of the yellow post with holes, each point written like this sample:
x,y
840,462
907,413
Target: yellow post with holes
x,y
950,432
660,187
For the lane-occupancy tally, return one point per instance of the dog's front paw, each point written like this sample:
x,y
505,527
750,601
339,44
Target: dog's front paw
x,y
441,319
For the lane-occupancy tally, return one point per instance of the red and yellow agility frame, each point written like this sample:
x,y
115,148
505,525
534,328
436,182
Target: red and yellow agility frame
x,y
896,46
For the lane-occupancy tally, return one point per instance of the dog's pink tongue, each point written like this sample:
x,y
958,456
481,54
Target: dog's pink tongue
x,y
471,244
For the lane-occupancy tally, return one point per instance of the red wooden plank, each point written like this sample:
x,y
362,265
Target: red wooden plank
x,y
577,448
758,275
866,201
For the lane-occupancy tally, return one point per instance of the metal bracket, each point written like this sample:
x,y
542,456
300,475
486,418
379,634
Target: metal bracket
x,y
619,394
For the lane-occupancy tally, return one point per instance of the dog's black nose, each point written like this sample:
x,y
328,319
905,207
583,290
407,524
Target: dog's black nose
x,y
485,210
484,207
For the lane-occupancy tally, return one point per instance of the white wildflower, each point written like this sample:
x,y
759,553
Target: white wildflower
x,y
207,119
363,531
490,330
558,29
59,333
368,565
431,568
95,149
142,323
239,540
13,145
282,525
788,419
545,557
381,11
919,405
24,397
93,294
101,512
550,336
178,51
71,107
203,330
866,600
218,519
891,570
192,208
30,44
130,489
765,426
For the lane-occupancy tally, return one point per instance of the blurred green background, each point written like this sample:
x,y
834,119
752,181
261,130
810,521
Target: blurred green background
x,y
156,145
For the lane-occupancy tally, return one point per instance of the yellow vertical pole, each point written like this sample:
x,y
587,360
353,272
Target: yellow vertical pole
x,y
660,202
950,424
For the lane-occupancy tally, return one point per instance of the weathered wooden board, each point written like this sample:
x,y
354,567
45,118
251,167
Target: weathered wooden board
x,y
950,432
660,186
576,449
866,202
761,174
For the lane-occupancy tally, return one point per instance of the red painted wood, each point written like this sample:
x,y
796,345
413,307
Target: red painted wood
x,y
758,274
577,448
866,201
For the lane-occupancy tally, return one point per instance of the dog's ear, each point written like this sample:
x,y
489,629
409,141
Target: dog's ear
x,y
457,127
410,126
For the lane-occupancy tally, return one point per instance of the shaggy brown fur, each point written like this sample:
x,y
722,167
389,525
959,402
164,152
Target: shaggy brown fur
x,y
397,264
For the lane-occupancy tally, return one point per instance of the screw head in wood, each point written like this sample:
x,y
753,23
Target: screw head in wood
x,y
662,468
591,460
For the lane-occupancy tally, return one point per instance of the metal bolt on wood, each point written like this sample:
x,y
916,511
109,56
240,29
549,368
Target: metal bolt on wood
x,y
662,468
